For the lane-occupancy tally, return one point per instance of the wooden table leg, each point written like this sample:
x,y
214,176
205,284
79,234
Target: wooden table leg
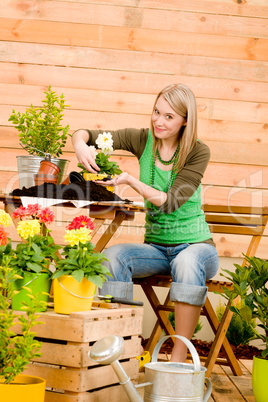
x,y
110,231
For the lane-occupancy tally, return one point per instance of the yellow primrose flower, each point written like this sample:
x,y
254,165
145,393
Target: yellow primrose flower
x,y
74,236
28,228
5,219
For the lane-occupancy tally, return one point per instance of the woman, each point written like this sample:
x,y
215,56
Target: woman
x,y
177,239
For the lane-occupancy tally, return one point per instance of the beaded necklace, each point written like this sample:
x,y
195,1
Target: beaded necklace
x,y
166,163
173,173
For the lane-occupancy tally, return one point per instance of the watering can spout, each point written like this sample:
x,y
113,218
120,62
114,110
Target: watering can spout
x,y
106,351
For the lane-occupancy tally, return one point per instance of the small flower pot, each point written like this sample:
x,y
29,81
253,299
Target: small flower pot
x,y
259,379
97,176
48,168
38,283
24,388
45,178
71,296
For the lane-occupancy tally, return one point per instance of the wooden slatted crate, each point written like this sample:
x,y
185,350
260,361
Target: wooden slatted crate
x,y
67,339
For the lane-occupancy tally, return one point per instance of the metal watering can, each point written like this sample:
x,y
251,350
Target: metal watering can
x,y
164,381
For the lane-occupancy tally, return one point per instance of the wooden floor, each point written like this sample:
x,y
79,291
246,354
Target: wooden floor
x,y
226,387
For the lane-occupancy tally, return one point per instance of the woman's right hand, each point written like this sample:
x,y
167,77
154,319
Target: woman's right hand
x,y
83,152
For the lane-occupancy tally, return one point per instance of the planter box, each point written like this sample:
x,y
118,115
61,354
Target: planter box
x,y
64,364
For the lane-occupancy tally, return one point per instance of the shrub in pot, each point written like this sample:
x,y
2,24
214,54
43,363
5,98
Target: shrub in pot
x,y
16,351
80,271
250,285
42,134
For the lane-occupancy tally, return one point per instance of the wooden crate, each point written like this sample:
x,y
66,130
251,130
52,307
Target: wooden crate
x,y
67,339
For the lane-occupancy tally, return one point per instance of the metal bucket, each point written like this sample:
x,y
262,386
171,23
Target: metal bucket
x,y
175,382
29,165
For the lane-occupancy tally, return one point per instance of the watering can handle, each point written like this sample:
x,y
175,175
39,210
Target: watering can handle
x,y
189,345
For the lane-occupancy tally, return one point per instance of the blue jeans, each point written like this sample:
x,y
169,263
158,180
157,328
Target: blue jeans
x,y
188,264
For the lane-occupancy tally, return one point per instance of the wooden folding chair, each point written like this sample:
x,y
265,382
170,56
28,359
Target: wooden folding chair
x,y
233,220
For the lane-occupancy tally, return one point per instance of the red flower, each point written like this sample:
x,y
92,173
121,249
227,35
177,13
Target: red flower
x,y
45,215
79,222
20,212
3,237
33,209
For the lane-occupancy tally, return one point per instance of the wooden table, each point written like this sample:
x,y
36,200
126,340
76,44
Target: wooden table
x,y
99,211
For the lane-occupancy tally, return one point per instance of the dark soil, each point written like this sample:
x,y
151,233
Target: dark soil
x,y
74,191
203,348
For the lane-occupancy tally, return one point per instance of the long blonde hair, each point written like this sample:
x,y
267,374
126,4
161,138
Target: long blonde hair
x,y
182,100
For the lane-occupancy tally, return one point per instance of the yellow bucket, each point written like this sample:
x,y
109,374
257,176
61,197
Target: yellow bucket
x,y
25,388
71,296
97,176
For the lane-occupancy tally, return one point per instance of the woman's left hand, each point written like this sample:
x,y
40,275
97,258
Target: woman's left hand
x,y
123,178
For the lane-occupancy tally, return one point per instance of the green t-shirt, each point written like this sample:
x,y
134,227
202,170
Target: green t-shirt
x,y
184,225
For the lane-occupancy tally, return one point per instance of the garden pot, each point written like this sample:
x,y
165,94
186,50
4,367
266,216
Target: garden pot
x,y
29,165
48,168
45,178
260,379
97,176
37,283
71,296
24,388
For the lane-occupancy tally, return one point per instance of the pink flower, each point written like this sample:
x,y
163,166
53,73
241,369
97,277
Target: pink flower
x,y
3,237
79,222
20,212
33,209
45,215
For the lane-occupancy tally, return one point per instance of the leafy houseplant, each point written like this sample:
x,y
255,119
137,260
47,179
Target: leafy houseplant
x,y
105,144
16,351
37,249
80,271
250,285
40,129
32,256
80,259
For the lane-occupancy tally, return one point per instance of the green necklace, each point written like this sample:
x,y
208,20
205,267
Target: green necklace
x,y
173,173
166,163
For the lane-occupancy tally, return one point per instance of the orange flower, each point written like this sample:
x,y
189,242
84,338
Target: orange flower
x,y
3,237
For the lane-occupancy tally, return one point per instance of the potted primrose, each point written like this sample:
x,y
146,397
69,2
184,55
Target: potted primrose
x,y
102,155
250,285
81,270
42,135
33,256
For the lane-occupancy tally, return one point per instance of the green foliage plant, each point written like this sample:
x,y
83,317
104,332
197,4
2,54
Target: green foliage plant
x,y
80,261
40,128
250,285
16,351
239,331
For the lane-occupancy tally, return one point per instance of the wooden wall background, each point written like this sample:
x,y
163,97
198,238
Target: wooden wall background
x,y
111,57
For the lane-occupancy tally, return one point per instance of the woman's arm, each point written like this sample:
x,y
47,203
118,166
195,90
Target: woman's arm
x,y
154,196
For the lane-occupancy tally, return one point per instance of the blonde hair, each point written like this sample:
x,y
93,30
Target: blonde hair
x,y
182,100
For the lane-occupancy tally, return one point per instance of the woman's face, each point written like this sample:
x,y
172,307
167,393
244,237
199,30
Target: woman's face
x,y
166,122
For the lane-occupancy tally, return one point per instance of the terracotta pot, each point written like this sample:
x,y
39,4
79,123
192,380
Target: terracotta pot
x,y
48,168
45,178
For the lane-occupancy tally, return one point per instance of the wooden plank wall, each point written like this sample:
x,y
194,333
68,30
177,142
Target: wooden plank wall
x,y
110,58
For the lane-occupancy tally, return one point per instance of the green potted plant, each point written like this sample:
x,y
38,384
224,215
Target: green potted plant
x,y
102,159
80,271
33,256
16,351
42,134
250,287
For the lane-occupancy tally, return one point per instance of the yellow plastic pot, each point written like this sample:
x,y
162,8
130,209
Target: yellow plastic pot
x,y
97,176
71,296
259,379
25,388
